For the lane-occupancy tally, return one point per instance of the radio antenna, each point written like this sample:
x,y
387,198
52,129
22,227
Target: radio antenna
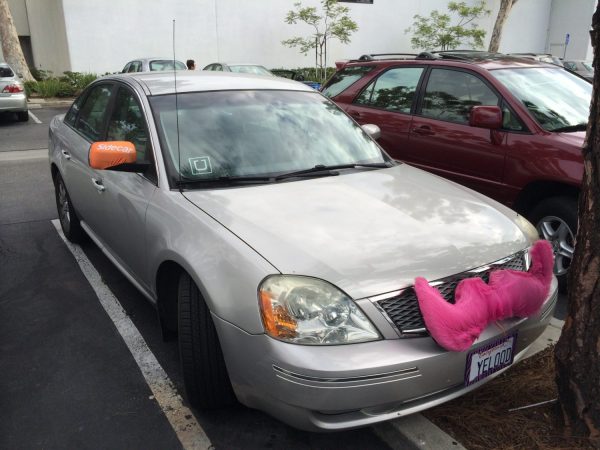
x,y
176,109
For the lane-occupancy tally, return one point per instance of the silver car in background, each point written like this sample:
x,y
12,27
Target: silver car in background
x,y
12,93
154,64
280,244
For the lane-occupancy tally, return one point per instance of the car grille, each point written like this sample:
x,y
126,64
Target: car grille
x,y
403,309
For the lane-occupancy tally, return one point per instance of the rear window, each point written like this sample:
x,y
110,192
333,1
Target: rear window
x,y
345,78
5,72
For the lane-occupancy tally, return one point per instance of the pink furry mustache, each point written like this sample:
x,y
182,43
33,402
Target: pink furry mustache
x,y
509,293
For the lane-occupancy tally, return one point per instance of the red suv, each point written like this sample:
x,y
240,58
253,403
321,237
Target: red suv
x,y
507,127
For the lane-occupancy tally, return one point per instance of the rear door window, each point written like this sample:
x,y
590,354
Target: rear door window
x,y
394,90
450,95
345,78
91,120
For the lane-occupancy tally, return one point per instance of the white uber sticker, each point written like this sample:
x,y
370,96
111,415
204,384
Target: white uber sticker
x,y
200,165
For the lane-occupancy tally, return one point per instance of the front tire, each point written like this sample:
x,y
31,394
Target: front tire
x,y
556,221
204,373
69,222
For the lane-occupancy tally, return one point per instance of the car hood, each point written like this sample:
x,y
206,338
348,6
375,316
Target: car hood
x,y
367,232
575,139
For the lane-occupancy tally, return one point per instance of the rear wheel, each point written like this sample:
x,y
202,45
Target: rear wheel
x,y
204,373
23,116
556,221
69,222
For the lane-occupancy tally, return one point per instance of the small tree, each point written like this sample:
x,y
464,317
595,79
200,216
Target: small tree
x,y
503,12
333,22
440,32
11,47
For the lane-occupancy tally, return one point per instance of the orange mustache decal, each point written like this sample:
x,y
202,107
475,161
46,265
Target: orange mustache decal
x,y
509,293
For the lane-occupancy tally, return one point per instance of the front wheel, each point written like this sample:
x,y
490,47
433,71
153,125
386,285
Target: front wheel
x,y
204,373
556,221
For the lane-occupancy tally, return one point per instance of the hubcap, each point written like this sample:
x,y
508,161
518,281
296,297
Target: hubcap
x,y
558,233
63,206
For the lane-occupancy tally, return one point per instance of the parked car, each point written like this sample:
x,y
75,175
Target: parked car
x,y
296,76
12,93
583,68
510,128
542,57
281,243
155,64
254,69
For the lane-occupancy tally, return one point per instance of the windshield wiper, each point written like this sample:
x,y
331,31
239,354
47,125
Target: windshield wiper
x,y
322,170
227,180
571,128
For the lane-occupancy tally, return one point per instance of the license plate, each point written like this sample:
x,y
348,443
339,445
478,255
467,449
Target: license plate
x,y
489,359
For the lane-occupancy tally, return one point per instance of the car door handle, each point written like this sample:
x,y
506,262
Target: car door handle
x,y
423,131
98,184
66,154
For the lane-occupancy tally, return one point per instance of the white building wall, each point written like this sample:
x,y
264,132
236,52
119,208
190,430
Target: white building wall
x,y
573,17
103,35
48,37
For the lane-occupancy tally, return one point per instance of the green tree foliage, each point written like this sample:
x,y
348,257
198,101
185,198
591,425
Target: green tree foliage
x,y
331,22
449,31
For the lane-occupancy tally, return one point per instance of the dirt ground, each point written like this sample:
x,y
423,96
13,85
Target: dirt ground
x,y
481,420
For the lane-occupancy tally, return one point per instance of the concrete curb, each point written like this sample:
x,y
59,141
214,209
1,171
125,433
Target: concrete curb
x,y
416,431
36,103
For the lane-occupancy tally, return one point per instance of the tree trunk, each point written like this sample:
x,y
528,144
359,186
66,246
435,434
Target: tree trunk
x,y
10,43
577,353
505,7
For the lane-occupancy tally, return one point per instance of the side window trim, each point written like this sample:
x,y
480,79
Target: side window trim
x,y
373,82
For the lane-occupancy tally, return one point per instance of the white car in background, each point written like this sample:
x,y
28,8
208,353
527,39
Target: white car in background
x,y
12,93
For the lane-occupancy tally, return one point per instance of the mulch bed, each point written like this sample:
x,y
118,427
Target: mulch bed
x,y
481,420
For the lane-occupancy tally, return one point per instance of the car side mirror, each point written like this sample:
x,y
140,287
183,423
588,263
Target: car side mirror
x,y
114,155
486,117
372,130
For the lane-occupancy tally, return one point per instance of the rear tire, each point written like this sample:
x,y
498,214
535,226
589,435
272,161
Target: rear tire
x,y
556,220
204,373
23,116
69,221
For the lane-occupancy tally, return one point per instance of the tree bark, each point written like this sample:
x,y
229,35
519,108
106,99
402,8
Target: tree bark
x,y
11,47
505,7
577,353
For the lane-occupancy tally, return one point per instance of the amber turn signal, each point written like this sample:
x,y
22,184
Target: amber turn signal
x,y
276,320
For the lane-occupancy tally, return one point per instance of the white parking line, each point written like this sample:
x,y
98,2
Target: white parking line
x,y
34,117
188,430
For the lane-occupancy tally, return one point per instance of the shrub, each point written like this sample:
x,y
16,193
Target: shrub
x,y
310,73
77,80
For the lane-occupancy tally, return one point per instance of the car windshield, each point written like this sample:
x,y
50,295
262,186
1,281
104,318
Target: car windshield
x,y
245,68
166,64
556,98
256,133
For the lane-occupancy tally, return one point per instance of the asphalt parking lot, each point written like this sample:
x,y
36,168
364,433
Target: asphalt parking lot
x,y
68,379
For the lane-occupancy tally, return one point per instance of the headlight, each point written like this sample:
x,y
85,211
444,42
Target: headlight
x,y
310,311
530,232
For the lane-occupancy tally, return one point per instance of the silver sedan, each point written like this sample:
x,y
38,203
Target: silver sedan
x,y
280,244
12,93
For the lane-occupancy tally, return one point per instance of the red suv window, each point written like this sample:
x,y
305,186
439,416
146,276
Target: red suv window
x,y
394,90
345,78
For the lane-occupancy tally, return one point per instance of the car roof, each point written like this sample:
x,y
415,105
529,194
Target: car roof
x,y
486,60
160,83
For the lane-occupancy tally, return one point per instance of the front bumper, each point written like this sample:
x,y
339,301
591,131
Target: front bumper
x,y
328,388
13,102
